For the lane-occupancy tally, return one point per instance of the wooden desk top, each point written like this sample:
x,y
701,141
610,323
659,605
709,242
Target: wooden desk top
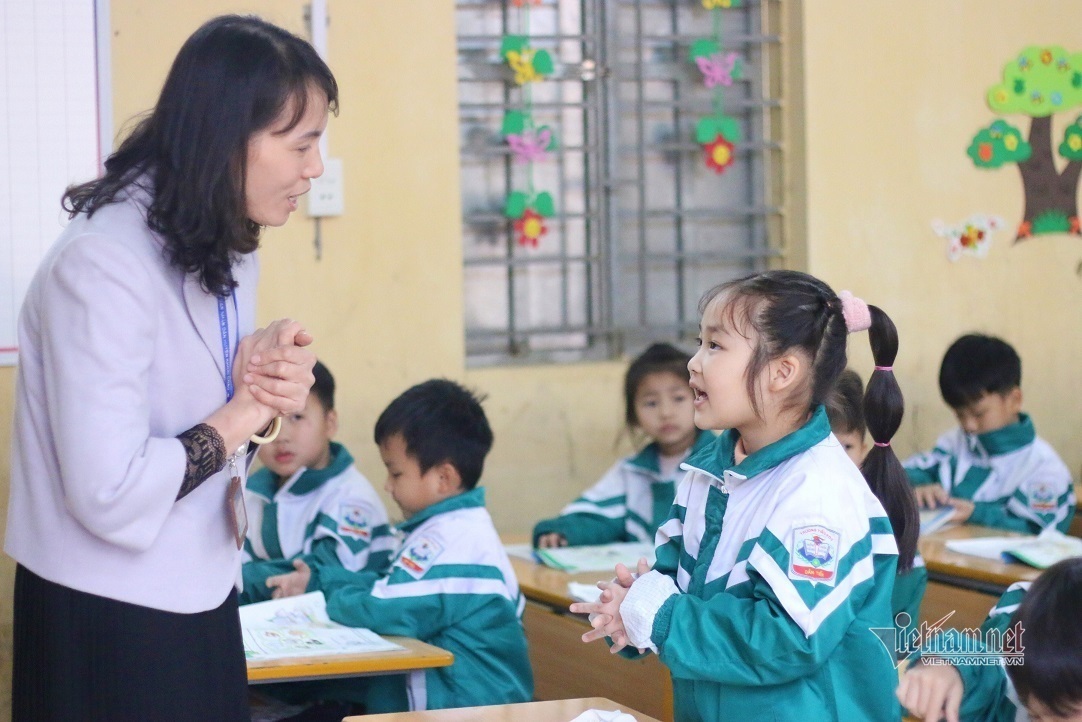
x,y
549,586
943,561
416,655
562,710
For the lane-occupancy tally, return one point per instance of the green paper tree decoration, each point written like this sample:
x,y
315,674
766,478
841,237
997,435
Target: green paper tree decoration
x,y
1040,82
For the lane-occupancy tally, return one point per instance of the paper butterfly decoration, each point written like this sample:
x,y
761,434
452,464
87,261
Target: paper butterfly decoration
x,y
717,69
528,145
972,236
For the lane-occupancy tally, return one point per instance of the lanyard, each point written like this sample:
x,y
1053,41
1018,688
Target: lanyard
x,y
227,346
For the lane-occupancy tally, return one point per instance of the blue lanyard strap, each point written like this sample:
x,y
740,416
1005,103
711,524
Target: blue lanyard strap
x,y
227,344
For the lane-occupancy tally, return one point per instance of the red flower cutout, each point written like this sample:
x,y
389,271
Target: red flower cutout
x,y
530,228
521,3
718,154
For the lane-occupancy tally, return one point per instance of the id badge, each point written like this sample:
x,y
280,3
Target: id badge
x,y
238,515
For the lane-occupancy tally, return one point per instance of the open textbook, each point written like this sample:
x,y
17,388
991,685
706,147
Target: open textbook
x,y
1041,551
600,558
300,627
932,519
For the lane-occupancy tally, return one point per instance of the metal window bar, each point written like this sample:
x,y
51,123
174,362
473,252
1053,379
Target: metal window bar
x,y
642,227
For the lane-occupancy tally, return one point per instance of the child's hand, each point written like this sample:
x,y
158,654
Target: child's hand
x,y
931,692
930,496
553,539
625,578
963,509
605,615
292,584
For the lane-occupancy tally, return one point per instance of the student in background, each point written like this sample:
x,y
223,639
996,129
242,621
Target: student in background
x,y
777,560
451,584
1046,687
633,497
846,414
310,503
993,469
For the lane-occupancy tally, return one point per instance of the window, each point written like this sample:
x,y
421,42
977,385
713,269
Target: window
x,y
642,227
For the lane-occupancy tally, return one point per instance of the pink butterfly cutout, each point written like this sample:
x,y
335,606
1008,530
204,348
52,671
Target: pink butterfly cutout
x,y
717,69
529,146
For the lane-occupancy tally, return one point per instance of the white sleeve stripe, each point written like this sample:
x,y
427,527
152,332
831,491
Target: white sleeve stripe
x,y
918,561
609,512
639,530
808,620
683,579
884,544
383,543
1020,509
671,528
449,585
737,575
1003,610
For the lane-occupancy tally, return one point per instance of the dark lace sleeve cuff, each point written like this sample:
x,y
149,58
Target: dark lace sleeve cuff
x,y
205,450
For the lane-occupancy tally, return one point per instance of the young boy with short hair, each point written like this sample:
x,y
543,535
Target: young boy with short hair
x,y
994,469
451,585
1038,622
310,503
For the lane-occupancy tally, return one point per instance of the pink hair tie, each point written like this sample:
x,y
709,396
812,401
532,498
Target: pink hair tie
x,y
884,443
884,368
856,313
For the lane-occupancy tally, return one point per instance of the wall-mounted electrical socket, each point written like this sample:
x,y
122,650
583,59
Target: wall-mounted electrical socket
x,y
325,198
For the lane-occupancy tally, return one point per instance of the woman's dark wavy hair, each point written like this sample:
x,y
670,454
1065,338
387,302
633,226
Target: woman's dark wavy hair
x,y
234,77
792,311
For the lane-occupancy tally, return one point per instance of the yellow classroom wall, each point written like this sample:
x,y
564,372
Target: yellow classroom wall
x,y
893,93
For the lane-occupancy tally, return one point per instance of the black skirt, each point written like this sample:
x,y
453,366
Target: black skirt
x,y
78,656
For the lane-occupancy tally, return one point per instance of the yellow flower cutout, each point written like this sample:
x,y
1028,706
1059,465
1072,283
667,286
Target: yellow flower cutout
x,y
1010,141
711,4
522,64
1074,143
1046,57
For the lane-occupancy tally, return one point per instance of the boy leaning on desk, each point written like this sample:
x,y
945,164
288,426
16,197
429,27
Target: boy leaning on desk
x,y
450,585
993,469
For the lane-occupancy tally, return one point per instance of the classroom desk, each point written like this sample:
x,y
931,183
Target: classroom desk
x,y
967,585
552,711
417,655
564,666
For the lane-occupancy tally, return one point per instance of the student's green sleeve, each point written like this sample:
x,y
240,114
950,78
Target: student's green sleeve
x,y
400,604
995,514
581,528
254,577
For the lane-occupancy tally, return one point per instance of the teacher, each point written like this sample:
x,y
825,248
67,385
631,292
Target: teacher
x,y
141,379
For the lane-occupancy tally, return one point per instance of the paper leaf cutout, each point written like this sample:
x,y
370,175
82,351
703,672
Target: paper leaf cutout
x,y
513,122
998,144
516,205
703,48
1040,81
513,43
712,126
544,205
711,4
1071,147
972,236
542,62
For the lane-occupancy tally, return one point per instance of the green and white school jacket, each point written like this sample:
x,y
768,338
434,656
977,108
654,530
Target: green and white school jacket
x,y
908,594
326,516
771,575
987,692
450,585
1015,479
628,504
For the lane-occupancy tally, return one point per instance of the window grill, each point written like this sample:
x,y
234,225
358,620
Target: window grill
x,y
642,227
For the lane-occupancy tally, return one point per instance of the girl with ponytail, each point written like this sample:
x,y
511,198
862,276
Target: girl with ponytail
x,y
777,561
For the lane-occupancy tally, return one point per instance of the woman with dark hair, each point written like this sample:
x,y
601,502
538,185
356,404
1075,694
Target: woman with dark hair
x,y
141,381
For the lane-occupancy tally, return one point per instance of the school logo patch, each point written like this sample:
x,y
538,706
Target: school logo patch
x,y
353,521
419,556
1041,497
814,555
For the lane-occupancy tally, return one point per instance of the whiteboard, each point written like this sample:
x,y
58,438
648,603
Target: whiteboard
x,y
49,134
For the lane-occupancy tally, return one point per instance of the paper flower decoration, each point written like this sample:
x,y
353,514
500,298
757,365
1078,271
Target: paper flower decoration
x,y
718,154
530,145
524,3
972,236
530,65
530,227
717,69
